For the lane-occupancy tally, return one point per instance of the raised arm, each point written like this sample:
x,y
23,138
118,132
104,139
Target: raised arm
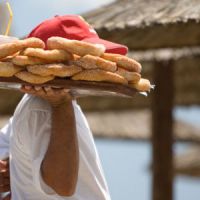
x,y
59,168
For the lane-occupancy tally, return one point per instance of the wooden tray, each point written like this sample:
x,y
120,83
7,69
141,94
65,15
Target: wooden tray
x,y
78,88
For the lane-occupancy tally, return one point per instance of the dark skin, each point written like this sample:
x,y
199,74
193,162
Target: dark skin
x,y
59,168
5,178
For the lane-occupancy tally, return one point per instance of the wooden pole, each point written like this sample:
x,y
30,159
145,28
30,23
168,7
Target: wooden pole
x,y
162,131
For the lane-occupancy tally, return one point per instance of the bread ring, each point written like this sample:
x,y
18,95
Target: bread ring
x,y
9,49
7,59
123,61
8,69
132,77
27,60
143,85
75,47
94,62
32,43
56,55
60,70
99,75
76,57
32,78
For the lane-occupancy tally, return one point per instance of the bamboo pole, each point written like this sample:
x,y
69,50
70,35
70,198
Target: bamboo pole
x,y
162,131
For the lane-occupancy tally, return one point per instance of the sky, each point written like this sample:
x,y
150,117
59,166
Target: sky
x,y
27,14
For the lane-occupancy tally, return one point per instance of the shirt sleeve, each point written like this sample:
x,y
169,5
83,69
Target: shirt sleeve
x,y
5,133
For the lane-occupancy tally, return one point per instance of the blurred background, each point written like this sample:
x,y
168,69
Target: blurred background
x,y
149,146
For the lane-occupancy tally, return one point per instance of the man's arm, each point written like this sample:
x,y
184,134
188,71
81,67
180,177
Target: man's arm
x,y
59,168
60,165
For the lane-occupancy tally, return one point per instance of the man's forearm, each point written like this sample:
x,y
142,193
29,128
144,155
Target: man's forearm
x,y
60,164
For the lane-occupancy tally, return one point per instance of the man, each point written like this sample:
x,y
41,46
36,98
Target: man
x,y
48,141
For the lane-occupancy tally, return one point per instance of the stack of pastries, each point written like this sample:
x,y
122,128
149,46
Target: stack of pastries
x,y
33,62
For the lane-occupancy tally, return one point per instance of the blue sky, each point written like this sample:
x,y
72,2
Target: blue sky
x,y
29,13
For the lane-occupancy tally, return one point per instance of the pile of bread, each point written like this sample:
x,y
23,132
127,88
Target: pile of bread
x,y
30,61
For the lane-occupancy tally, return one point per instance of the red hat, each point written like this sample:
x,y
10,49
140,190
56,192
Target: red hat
x,y
74,27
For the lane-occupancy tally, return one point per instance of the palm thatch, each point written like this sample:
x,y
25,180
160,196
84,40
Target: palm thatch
x,y
135,125
144,24
188,163
165,54
186,70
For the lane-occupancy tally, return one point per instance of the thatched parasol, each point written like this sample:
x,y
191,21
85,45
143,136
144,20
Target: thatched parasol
x,y
145,24
186,71
188,163
135,125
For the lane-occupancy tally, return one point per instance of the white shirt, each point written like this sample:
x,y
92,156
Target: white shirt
x,y
25,140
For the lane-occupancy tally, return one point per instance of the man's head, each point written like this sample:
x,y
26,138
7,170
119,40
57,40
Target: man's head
x,y
74,27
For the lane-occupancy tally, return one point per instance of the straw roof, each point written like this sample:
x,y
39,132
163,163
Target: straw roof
x,y
144,24
188,163
163,29
165,54
185,66
133,124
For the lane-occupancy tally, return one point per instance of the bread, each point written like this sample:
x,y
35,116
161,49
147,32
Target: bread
x,y
60,70
94,62
99,75
123,62
8,69
11,48
27,60
143,85
32,78
75,47
132,77
56,55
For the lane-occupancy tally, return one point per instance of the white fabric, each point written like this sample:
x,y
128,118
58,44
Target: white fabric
x,y
29,133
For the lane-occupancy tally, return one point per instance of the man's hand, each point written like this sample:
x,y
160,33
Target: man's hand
x,y
55,96
4,178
